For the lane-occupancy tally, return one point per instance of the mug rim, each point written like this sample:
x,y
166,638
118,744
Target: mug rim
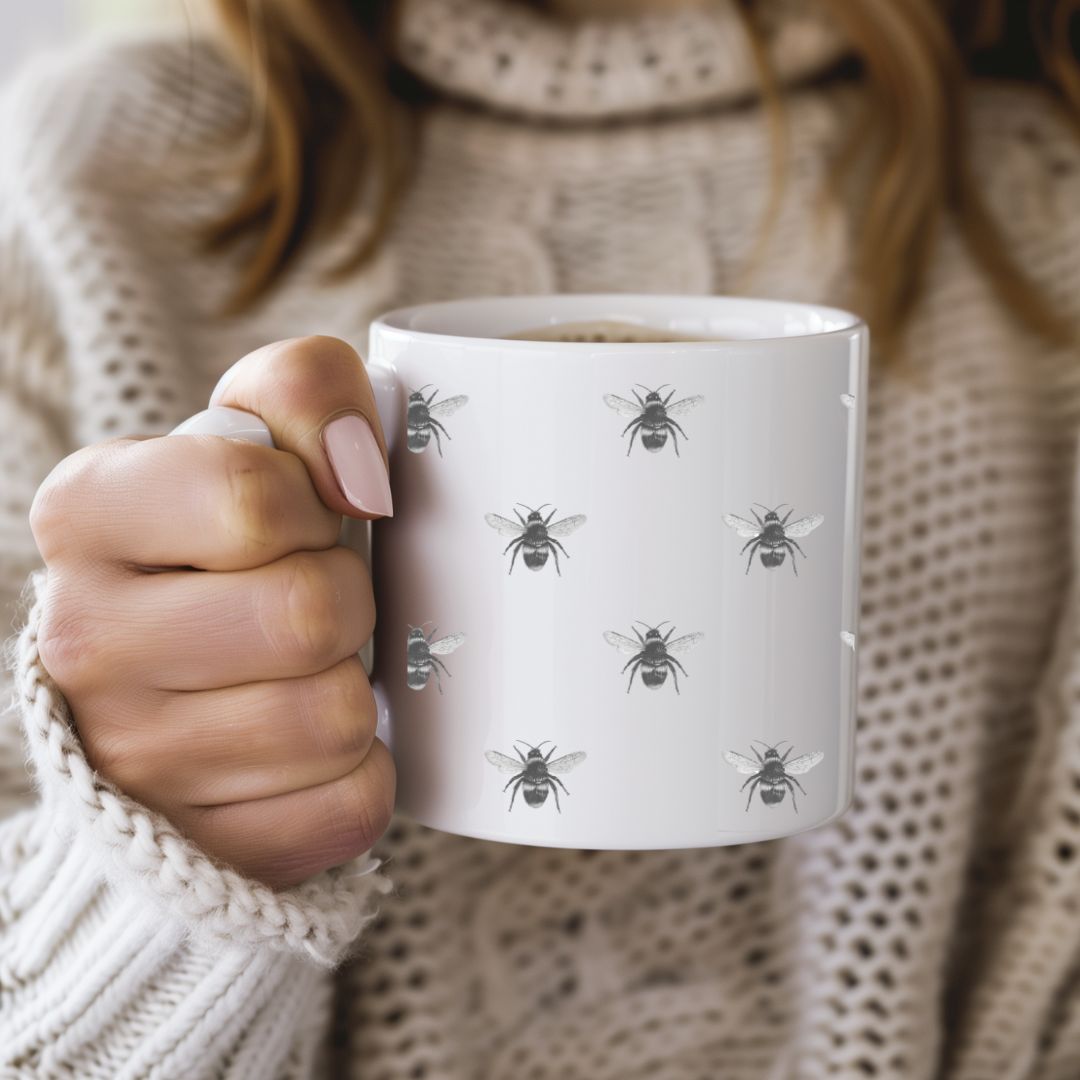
x,y
398,322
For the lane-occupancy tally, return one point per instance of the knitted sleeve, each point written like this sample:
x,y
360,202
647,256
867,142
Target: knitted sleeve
x,y
124,950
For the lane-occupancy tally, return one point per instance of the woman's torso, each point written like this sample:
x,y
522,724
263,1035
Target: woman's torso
x,y
539,963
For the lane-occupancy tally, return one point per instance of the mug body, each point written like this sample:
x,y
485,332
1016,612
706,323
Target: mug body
x,y
618,596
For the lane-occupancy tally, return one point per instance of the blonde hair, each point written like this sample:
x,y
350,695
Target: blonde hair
x,y
331,107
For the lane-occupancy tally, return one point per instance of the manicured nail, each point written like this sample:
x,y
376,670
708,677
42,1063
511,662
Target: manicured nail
x,y
358,464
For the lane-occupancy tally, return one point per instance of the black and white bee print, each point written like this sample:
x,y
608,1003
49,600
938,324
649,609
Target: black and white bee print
x,y
422,656
425,416
772,537
771,774
653,654
535,535
535,773
653,417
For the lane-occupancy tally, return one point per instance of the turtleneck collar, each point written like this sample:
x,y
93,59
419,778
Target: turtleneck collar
x,y
517,58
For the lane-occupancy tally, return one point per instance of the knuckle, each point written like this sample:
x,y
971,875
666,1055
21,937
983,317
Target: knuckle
x,y
345,720
47,510
119,755
53,510
324,350
70,642
289,369
310,613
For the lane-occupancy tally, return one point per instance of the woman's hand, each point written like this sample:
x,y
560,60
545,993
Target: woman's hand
x,y
225,691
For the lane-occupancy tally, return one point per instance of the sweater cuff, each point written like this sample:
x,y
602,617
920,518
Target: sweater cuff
x,y
139,849
95,984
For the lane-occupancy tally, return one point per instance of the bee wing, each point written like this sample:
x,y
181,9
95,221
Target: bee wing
x,y
682,644
741,764
447,407
446,644
566,763
804,525
566,526
622,643
504,526
684,406
744,528
803,764
504,763
621,405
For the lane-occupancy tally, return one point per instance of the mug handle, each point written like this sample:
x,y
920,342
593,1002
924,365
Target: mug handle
x,y
230,423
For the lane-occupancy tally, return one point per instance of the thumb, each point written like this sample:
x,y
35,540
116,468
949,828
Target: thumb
x,y
314,395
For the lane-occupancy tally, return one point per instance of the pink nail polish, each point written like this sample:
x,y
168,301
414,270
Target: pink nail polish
x,y
358,464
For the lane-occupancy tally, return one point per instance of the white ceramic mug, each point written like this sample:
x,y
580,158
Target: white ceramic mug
x,y
617,601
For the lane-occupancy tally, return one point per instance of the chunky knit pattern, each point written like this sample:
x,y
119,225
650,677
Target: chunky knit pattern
x,y
319,918
932,931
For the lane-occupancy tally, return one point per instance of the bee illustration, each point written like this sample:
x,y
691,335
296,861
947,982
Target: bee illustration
x,y
536,773
422,420
653,654
653,416
536,535
775,774
772,536
422,656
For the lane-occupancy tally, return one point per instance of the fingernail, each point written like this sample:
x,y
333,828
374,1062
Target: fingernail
x,y
358,464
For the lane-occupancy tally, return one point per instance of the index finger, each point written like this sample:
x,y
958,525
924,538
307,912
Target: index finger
x,y
314,395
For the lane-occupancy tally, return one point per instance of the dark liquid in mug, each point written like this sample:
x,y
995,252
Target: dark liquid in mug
x,y
600,330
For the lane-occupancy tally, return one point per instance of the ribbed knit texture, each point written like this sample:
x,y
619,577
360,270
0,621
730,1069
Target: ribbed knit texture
x,y
932,931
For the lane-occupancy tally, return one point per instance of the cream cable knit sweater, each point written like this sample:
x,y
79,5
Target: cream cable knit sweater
x,y
933,931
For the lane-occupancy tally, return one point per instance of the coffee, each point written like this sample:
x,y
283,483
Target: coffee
x,y
601,331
